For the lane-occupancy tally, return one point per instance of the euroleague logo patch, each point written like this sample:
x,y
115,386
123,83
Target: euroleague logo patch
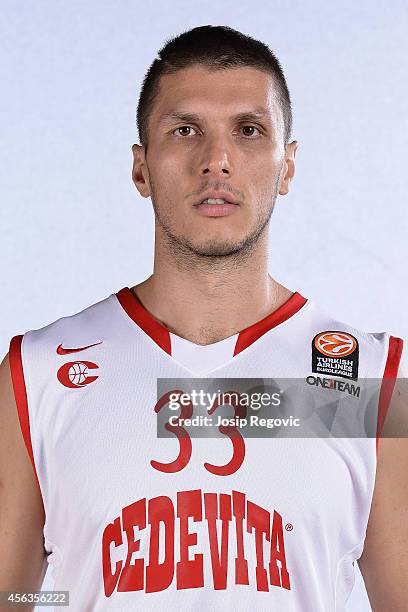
x,y
76,374
335,352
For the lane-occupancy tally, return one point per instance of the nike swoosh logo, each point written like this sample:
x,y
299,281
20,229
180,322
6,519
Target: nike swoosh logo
x,y
66,351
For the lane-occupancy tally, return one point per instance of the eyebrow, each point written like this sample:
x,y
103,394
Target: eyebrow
x,y
249,115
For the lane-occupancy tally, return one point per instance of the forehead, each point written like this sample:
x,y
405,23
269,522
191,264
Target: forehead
x,y
217,93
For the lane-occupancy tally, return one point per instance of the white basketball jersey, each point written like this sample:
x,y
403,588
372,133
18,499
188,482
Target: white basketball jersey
x,y
140,522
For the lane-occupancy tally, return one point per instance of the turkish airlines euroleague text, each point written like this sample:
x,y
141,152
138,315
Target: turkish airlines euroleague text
x,y
224,519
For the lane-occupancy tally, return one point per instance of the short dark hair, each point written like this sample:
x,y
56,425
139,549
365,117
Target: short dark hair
x,y
217,48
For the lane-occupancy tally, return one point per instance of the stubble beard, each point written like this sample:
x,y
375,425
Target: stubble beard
x,y
211,254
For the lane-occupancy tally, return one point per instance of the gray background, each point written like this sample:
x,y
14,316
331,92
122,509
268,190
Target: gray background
x,y
72,226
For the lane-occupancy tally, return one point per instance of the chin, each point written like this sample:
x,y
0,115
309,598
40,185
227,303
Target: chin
x,y
220,248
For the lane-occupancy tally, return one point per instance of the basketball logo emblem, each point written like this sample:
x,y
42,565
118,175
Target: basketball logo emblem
x,y
335,353
335,344
75,374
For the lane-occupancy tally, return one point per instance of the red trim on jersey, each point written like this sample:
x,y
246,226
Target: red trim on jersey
x,y
142,317
161,335
20,394
395,346
250,334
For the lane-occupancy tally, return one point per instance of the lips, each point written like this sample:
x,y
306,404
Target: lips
x,y
221,195
216,210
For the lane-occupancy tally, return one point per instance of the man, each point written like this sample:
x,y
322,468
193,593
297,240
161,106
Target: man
x,y
130,520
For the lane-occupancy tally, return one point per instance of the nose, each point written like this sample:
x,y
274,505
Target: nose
x,y
216,159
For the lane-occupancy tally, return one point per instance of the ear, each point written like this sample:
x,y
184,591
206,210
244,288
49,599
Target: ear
x,y
140,174
288,168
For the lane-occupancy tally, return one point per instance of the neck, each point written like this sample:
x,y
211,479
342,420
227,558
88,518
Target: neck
x,y
209,300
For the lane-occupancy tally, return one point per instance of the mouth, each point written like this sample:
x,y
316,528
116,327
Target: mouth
x,y
216,207
217,198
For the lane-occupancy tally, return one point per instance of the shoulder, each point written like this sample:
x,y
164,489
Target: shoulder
x,y
372,353
79,326
36,352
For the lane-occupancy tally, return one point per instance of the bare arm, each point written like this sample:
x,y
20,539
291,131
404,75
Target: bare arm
x,y
384,562
22,554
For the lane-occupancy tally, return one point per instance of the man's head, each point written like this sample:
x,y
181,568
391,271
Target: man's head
x,y
214,115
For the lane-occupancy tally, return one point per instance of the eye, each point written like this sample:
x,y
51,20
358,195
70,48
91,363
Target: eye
x,y
251,127
183,127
